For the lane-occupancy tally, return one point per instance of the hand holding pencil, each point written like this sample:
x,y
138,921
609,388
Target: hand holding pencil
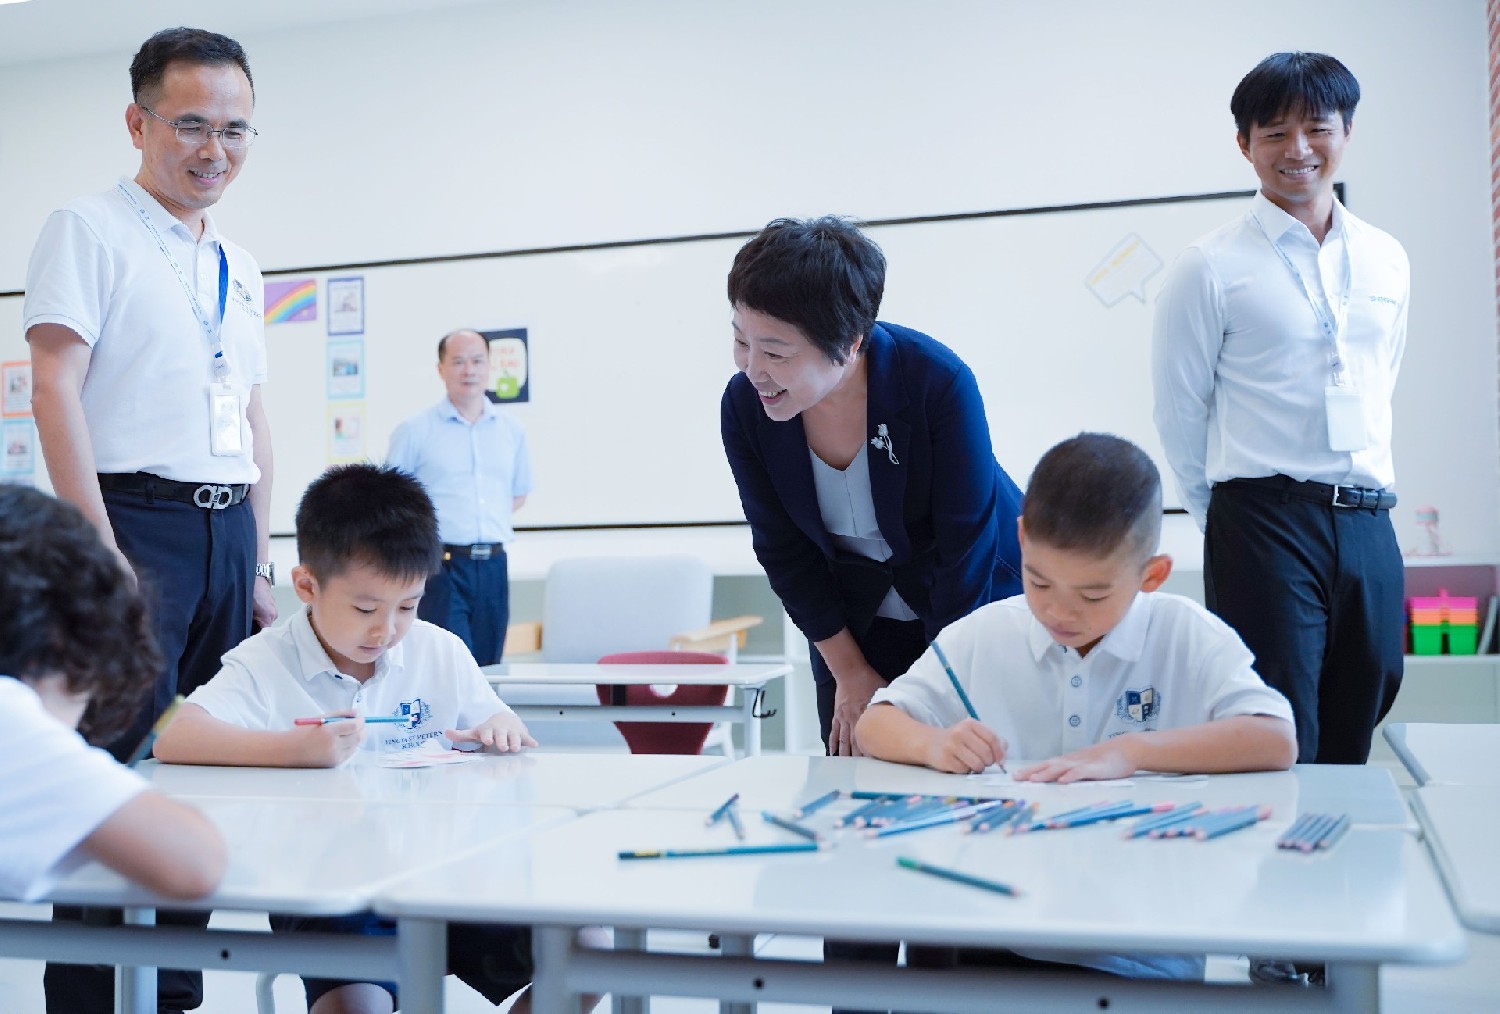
x,y
326,741
970,746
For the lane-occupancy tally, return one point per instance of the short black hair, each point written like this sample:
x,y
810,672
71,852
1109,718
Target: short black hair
x,y
368,515
821,275
68,607
443,341
1315,83
182,45
1095,493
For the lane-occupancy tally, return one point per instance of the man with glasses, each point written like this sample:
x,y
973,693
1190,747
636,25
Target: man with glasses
x,y
148,354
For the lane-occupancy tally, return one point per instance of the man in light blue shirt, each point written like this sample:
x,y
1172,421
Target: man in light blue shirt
x,y
475,465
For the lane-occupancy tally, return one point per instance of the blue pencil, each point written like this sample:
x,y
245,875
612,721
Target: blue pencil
x,y
959,689
1332,836
787,825
1291,835
1306,838
367,719
1174,816
817,804
956,876
730,850
734,821
1233,822
144,749
933,820
721,810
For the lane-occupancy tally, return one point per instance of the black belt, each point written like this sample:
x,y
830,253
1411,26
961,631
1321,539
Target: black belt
x,y
211,496
478,551
1356,497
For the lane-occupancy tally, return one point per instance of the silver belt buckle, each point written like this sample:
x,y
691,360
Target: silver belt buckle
x,y
479,552
212,497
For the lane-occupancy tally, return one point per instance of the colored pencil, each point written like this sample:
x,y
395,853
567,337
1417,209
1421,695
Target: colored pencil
x,y
817,804
367,719
991,819
1174,816
729,850
932,820
1120,813
733,815
959,689
957,877
1339,829
143,750
1231,822
792,826
721,810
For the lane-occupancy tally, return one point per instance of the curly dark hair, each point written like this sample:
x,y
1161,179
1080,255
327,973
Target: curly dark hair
x,y
68,607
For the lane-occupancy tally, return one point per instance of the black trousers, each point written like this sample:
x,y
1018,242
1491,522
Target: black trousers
x,y
472,599
197,571
1316,591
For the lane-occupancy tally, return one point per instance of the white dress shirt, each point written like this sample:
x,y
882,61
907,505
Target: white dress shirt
x,y
473,471
282,674
96,270
1240,362
847,507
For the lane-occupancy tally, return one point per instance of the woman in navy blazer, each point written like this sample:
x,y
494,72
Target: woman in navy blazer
x,y
826,394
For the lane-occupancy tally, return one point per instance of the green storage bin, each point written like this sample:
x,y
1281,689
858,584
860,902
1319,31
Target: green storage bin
x,y
1426,640
1463,639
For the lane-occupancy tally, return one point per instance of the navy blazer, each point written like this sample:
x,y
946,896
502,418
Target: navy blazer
x,y
944,505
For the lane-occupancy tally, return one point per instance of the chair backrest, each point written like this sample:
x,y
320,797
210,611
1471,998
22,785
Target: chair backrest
x,y
595,606
665,737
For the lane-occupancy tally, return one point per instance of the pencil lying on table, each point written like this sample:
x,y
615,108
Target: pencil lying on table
x,y
728,850
957,876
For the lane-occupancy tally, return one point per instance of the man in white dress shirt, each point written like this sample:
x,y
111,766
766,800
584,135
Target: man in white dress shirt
x,y
1278,340
474,462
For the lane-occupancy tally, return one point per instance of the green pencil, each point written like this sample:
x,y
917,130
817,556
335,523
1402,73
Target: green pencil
x,y
958,878
729,850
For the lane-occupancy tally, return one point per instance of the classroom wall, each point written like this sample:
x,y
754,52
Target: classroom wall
x,y
523,124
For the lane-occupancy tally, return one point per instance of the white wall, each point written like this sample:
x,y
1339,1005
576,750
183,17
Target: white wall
x,y
534,124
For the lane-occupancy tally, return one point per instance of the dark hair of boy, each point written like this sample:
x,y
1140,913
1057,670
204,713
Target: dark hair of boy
x,y
182,45
1313,83
1095,493
68,607
368,515
821,275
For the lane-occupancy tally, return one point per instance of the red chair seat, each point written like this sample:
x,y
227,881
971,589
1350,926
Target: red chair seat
x,y
664,737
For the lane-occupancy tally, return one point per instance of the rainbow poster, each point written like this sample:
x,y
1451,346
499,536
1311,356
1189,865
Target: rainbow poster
x,y
289,301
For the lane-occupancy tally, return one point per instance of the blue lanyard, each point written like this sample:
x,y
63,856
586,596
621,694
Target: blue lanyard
x,y
1332,327
212,330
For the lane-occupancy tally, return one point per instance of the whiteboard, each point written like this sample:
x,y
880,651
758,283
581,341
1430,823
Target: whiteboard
x,y
630,349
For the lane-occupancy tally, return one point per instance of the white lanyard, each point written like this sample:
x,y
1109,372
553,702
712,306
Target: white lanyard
x,y
1333,328
211,330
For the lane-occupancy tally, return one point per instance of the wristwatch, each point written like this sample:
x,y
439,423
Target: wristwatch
x,y
267,571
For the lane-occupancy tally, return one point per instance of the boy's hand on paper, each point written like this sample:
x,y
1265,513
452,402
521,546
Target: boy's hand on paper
x,y
502,732
328,746
1102,761
853,690
966,748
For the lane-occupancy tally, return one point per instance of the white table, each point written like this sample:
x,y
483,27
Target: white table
x,y
1462,823
783,781
1374,898
1444,753
748,679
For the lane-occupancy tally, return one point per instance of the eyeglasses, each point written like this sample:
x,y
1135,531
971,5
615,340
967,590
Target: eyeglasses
x,y
197,132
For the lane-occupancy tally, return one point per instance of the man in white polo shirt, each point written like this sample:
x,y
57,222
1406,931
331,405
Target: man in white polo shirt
x,y
148,354
474,462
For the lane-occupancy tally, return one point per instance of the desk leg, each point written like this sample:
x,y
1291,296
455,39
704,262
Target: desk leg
x,y
551,948
1354,987
631,940
749,695
421,964
135,988
736,946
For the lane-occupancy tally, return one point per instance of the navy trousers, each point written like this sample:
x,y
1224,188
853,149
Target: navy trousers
x,y
197,570
1316,591
472,599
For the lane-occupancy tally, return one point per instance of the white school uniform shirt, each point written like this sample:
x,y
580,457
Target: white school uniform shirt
x,y
56,791
282,674
97,270
472,471
1240,361
1168,663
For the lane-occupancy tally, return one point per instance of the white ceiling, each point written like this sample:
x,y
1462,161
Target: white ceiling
x,y
59,29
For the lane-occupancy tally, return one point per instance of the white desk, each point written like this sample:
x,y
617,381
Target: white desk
x,y
577,781
1462,823
784,781
748,679
1447,754
1374,898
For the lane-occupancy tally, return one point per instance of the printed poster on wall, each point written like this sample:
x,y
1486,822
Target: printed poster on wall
x,y
346,305
291,301
346,369
510,380
15,389
19,462
346,432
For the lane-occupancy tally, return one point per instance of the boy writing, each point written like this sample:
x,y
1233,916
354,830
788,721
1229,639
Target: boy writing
x,y
76,650
1091,667
368,540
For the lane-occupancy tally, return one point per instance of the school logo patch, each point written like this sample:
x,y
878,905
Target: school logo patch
x,y
243,297
416,712
1138,706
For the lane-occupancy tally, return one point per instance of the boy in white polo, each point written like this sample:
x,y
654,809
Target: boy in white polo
x,y
367,539
1091,673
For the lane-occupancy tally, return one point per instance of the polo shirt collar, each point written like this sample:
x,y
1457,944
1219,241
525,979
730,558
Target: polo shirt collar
x,y
164,220
1126,642
313,660
449,411
1278,223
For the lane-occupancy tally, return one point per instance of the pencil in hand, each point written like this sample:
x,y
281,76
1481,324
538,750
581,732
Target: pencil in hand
x,y
962,694
144,749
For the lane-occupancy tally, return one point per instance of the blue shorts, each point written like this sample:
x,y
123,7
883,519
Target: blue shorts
x,y
493,959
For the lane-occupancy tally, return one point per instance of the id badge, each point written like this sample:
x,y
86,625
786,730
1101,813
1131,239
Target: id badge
x,y
1346,419
225,418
